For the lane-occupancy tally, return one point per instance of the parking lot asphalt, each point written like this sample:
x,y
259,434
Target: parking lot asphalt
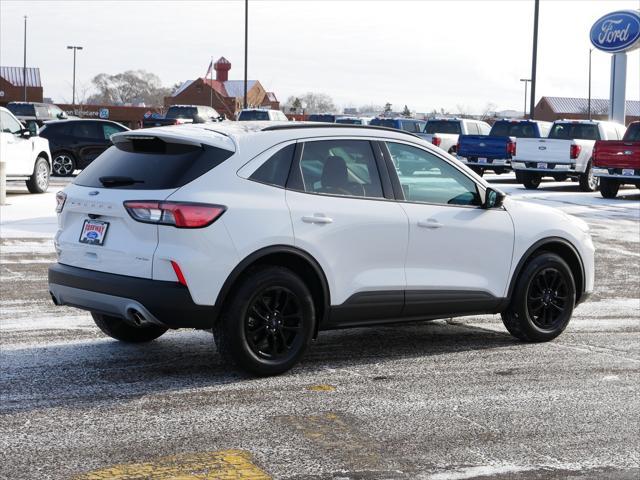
x,y
441,400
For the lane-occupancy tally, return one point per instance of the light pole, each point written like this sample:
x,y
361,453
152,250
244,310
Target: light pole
x,y
589,96
24,60
526,84
534,59
73,98
246,38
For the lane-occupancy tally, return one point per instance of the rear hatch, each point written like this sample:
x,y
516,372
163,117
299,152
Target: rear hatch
x,y
483,146
96,231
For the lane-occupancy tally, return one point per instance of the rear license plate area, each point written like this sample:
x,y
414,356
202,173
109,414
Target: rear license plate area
x,y
93,232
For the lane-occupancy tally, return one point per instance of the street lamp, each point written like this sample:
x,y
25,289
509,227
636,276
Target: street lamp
x,y
526,84
73,101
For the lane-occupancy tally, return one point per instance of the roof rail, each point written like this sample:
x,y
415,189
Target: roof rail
x,y
296,125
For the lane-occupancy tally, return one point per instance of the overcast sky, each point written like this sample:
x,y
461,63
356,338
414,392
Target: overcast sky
x,y
426,54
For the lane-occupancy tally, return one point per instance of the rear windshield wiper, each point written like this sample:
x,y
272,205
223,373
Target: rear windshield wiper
x,y
118,181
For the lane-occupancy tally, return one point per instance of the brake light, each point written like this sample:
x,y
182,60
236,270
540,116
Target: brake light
x,y
176,214
511,149
436,141
574,151
61,197
178,272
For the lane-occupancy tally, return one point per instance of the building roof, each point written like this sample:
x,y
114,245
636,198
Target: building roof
x,y
15,76
230,88
271,97
580,105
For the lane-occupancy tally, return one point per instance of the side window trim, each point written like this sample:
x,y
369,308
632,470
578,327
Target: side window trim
x,y
385,178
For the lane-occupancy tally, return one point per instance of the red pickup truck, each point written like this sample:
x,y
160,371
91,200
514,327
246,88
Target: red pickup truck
x,y
617,162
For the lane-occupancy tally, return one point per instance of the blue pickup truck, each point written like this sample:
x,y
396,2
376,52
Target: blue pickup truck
x,y
494,151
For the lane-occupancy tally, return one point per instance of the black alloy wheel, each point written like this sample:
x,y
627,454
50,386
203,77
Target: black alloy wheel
x,y
273,324
547,298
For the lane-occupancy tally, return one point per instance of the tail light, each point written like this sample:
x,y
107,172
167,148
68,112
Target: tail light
x,y
61,197
511,149
176,214
574,151
436,141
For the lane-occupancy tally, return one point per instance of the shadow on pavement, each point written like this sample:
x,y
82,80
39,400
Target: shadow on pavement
x,y
83,373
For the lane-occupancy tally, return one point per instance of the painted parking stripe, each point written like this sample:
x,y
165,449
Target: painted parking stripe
x,y
221,465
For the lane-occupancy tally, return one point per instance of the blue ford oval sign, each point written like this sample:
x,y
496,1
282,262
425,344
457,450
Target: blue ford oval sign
x,y
617,31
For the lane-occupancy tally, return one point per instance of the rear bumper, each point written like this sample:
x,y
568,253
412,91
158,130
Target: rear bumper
x,y
616,172
551,168
490,163
160,302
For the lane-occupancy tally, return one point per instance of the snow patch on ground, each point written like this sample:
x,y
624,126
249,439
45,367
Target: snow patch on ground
x,y
480,471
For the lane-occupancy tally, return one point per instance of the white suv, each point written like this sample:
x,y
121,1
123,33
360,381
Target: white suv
x,y
268,234
26,155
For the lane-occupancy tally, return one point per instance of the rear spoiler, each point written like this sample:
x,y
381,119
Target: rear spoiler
x,y
171,136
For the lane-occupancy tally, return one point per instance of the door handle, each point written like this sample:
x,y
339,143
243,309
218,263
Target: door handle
x,y
430,223
318,218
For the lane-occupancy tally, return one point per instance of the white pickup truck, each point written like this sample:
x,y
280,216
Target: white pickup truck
x,y
444,132
26,156
565,153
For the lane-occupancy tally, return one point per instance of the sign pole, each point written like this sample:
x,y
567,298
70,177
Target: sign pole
x,y
534,60
617,93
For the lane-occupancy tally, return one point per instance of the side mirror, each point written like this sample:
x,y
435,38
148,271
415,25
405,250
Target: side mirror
x,y
25,133
33,129
62,116
493,199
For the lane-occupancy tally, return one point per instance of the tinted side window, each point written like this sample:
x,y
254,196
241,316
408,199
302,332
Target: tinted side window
x,y
340,167
429,179
275,170
109,130
85,130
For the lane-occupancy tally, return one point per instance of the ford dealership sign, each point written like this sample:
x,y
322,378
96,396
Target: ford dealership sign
x,y
617,32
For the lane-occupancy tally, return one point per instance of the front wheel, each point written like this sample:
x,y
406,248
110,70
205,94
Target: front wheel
x,y
39,180
63,164
543,300
121,330
267,323
589,182
609,187
531,181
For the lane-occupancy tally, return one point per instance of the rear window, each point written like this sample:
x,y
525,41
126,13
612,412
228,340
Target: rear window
x,y
349,121
577,131
150,165
322,118
514,129
249,115
182,112
633,133
443,126
384,122
22,109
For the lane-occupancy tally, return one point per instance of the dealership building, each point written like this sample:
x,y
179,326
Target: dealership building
x,y
557,108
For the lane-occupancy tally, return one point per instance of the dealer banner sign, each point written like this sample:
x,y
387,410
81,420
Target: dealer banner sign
x,y
617,32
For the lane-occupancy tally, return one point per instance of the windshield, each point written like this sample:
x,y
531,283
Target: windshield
x,y
182,112
22,109
443,126
246,115
514,129
349,121
577,131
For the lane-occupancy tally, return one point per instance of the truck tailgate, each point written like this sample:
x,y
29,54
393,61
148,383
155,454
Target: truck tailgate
x,y
543,150
474,146
617,153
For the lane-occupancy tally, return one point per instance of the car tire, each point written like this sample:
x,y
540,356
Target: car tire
x,y
609,187
39,180
267,323
125,332
63,164
531,181
543,300
588,182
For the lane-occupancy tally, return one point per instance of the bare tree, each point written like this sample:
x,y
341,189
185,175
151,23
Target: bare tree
x,y
488,112
132,86
311,102
371,108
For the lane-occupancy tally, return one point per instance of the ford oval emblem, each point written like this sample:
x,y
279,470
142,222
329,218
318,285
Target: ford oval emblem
x,y
542,148
617,32
93,193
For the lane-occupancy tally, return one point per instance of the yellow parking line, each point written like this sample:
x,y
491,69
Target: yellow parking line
x,y
321,388
222,465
